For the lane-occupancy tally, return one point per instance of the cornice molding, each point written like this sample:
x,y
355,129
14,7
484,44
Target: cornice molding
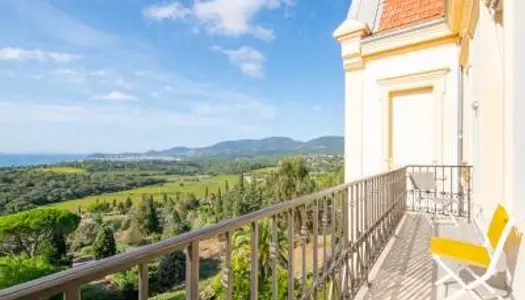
x,y
351,29
413,77
379,45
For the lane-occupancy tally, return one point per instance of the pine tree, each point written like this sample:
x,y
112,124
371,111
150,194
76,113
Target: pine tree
x,y
218,206
128,203
148,217
121,208
104,245
241,182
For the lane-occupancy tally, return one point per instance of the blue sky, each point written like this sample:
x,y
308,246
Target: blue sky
x,y
133,75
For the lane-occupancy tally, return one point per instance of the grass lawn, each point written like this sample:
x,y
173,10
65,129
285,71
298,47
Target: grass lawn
x,y
64,170
267,170
177,295
188,185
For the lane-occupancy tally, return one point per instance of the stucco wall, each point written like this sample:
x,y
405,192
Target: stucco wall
x,y
487,84
436,58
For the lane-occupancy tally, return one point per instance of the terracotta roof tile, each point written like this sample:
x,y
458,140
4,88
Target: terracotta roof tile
x,y
400,13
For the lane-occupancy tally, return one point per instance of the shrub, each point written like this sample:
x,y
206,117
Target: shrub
x,y
99,207
18,269
172,269
114,224
84,235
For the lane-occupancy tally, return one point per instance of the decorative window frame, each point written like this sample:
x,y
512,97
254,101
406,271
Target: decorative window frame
x,y
435,80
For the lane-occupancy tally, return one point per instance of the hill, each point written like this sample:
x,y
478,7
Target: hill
x,y
243,147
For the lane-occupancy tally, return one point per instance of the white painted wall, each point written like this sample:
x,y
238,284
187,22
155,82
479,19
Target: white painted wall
x,y
514,96
487,88
373,104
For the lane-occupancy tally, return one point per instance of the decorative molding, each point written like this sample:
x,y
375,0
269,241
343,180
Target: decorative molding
x,y
413,77
379,46
430,79
351,28
353,64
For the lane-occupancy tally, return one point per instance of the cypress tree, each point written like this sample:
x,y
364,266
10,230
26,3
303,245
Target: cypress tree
x,y
104,244
128,203
148,217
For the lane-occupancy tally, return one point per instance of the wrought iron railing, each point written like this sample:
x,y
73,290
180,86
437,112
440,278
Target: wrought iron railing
x,y
345,228
451,183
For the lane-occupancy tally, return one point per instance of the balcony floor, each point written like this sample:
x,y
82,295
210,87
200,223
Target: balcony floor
x,y
406,271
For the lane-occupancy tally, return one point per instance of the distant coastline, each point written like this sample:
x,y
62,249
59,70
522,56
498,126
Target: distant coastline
x,y
23,159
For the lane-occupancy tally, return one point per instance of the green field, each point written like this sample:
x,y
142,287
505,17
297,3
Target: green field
x,y
176,184
267,170
64,170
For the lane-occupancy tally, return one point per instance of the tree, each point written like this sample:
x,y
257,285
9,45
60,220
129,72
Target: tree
x,y
55,250
25,232
242,283
148,217
128,203
99,207
114,204
241,182
84,235
104,244
19,269
172,269
175,225
242,244
206,191
218,206
135,235
121,208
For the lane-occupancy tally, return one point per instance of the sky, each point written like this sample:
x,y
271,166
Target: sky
x,y
82,76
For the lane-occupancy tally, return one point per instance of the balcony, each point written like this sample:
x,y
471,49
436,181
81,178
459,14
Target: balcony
x,y
360,240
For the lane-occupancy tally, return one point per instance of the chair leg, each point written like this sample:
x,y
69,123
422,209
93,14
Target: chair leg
x,y
484,283
447,277
465,288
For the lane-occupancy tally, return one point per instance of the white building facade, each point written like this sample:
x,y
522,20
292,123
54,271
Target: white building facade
x,y
439,83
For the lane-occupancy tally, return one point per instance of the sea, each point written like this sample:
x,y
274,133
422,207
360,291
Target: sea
x,y
15,160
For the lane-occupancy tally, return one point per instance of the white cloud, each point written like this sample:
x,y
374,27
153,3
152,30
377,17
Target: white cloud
x,y
173,11
20,54
117,96
247,59
232,114
121,82
70,74
224,17
99,73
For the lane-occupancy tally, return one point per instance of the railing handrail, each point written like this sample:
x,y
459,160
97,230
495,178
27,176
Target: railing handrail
x,y
100,268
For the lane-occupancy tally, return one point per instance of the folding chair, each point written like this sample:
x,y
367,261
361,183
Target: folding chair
x,y
469,255
424,183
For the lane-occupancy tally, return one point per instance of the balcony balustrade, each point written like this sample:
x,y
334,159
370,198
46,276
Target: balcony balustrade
x,y
338,233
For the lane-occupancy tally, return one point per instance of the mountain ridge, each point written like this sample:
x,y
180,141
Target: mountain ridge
x,y
243,147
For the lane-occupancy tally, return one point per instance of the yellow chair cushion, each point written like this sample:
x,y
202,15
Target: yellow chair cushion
x,y
467,253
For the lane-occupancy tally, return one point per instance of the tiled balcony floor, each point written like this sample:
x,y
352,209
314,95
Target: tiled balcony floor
x,y
407,272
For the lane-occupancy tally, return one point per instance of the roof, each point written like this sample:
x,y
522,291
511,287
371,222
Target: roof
x,y
382,15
